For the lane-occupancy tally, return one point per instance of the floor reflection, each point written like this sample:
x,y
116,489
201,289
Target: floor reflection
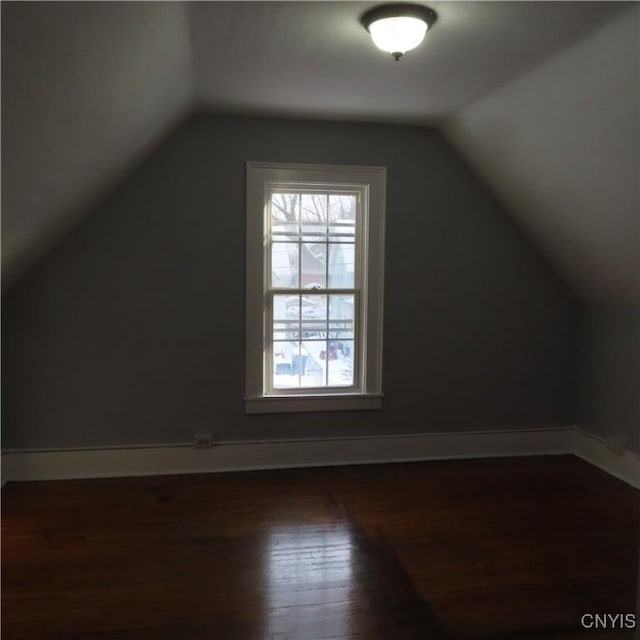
x,y
395,609
342,582
308,582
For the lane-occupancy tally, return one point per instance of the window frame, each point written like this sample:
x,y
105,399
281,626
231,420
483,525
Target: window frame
x,y
370,182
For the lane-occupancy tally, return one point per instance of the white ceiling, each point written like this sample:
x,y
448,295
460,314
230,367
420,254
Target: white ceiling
x,y
560,146
314,59
89,87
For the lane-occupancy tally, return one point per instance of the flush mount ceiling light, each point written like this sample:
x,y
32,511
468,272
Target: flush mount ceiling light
x,y
397,28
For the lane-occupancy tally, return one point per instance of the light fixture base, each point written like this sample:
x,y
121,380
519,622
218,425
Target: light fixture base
x,y
399,10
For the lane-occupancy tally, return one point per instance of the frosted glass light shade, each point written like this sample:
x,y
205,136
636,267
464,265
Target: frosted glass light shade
x,y
399,34
398,27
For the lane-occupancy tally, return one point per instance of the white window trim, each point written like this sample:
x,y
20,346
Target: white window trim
x,y
369,396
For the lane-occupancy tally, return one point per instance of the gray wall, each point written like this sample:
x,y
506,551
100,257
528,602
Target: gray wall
x,y
610,373
131,329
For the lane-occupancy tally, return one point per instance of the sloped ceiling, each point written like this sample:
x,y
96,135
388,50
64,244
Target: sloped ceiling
x,y
88,88
560,146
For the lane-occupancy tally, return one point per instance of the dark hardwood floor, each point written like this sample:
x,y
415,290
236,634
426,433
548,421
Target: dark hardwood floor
x,y
498,549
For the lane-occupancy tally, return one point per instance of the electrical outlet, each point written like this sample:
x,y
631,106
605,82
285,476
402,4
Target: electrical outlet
x,y
203,440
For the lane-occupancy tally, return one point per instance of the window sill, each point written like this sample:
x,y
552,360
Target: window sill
x,y
305,404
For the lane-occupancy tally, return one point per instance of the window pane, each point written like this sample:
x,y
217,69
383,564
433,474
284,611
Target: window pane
x,y
342,232
314,308
285,330
286,317
314,317
340,363
342,208
283,374
314,329
285,232
292,306
284,265
341,266
299,363
280,307
313,372
314,265
314,208
341,317
285,208
313,233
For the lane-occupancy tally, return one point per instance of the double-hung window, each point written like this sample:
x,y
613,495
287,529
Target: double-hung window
x,y
315,245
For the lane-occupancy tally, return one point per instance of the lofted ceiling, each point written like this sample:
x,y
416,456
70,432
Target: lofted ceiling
x,y
89,88
314,59
560,146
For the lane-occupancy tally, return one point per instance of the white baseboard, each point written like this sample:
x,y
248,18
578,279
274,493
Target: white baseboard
x,y
246,456
593,449
242,456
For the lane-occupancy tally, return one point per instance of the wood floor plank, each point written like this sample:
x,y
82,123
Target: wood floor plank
x,y
514,548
